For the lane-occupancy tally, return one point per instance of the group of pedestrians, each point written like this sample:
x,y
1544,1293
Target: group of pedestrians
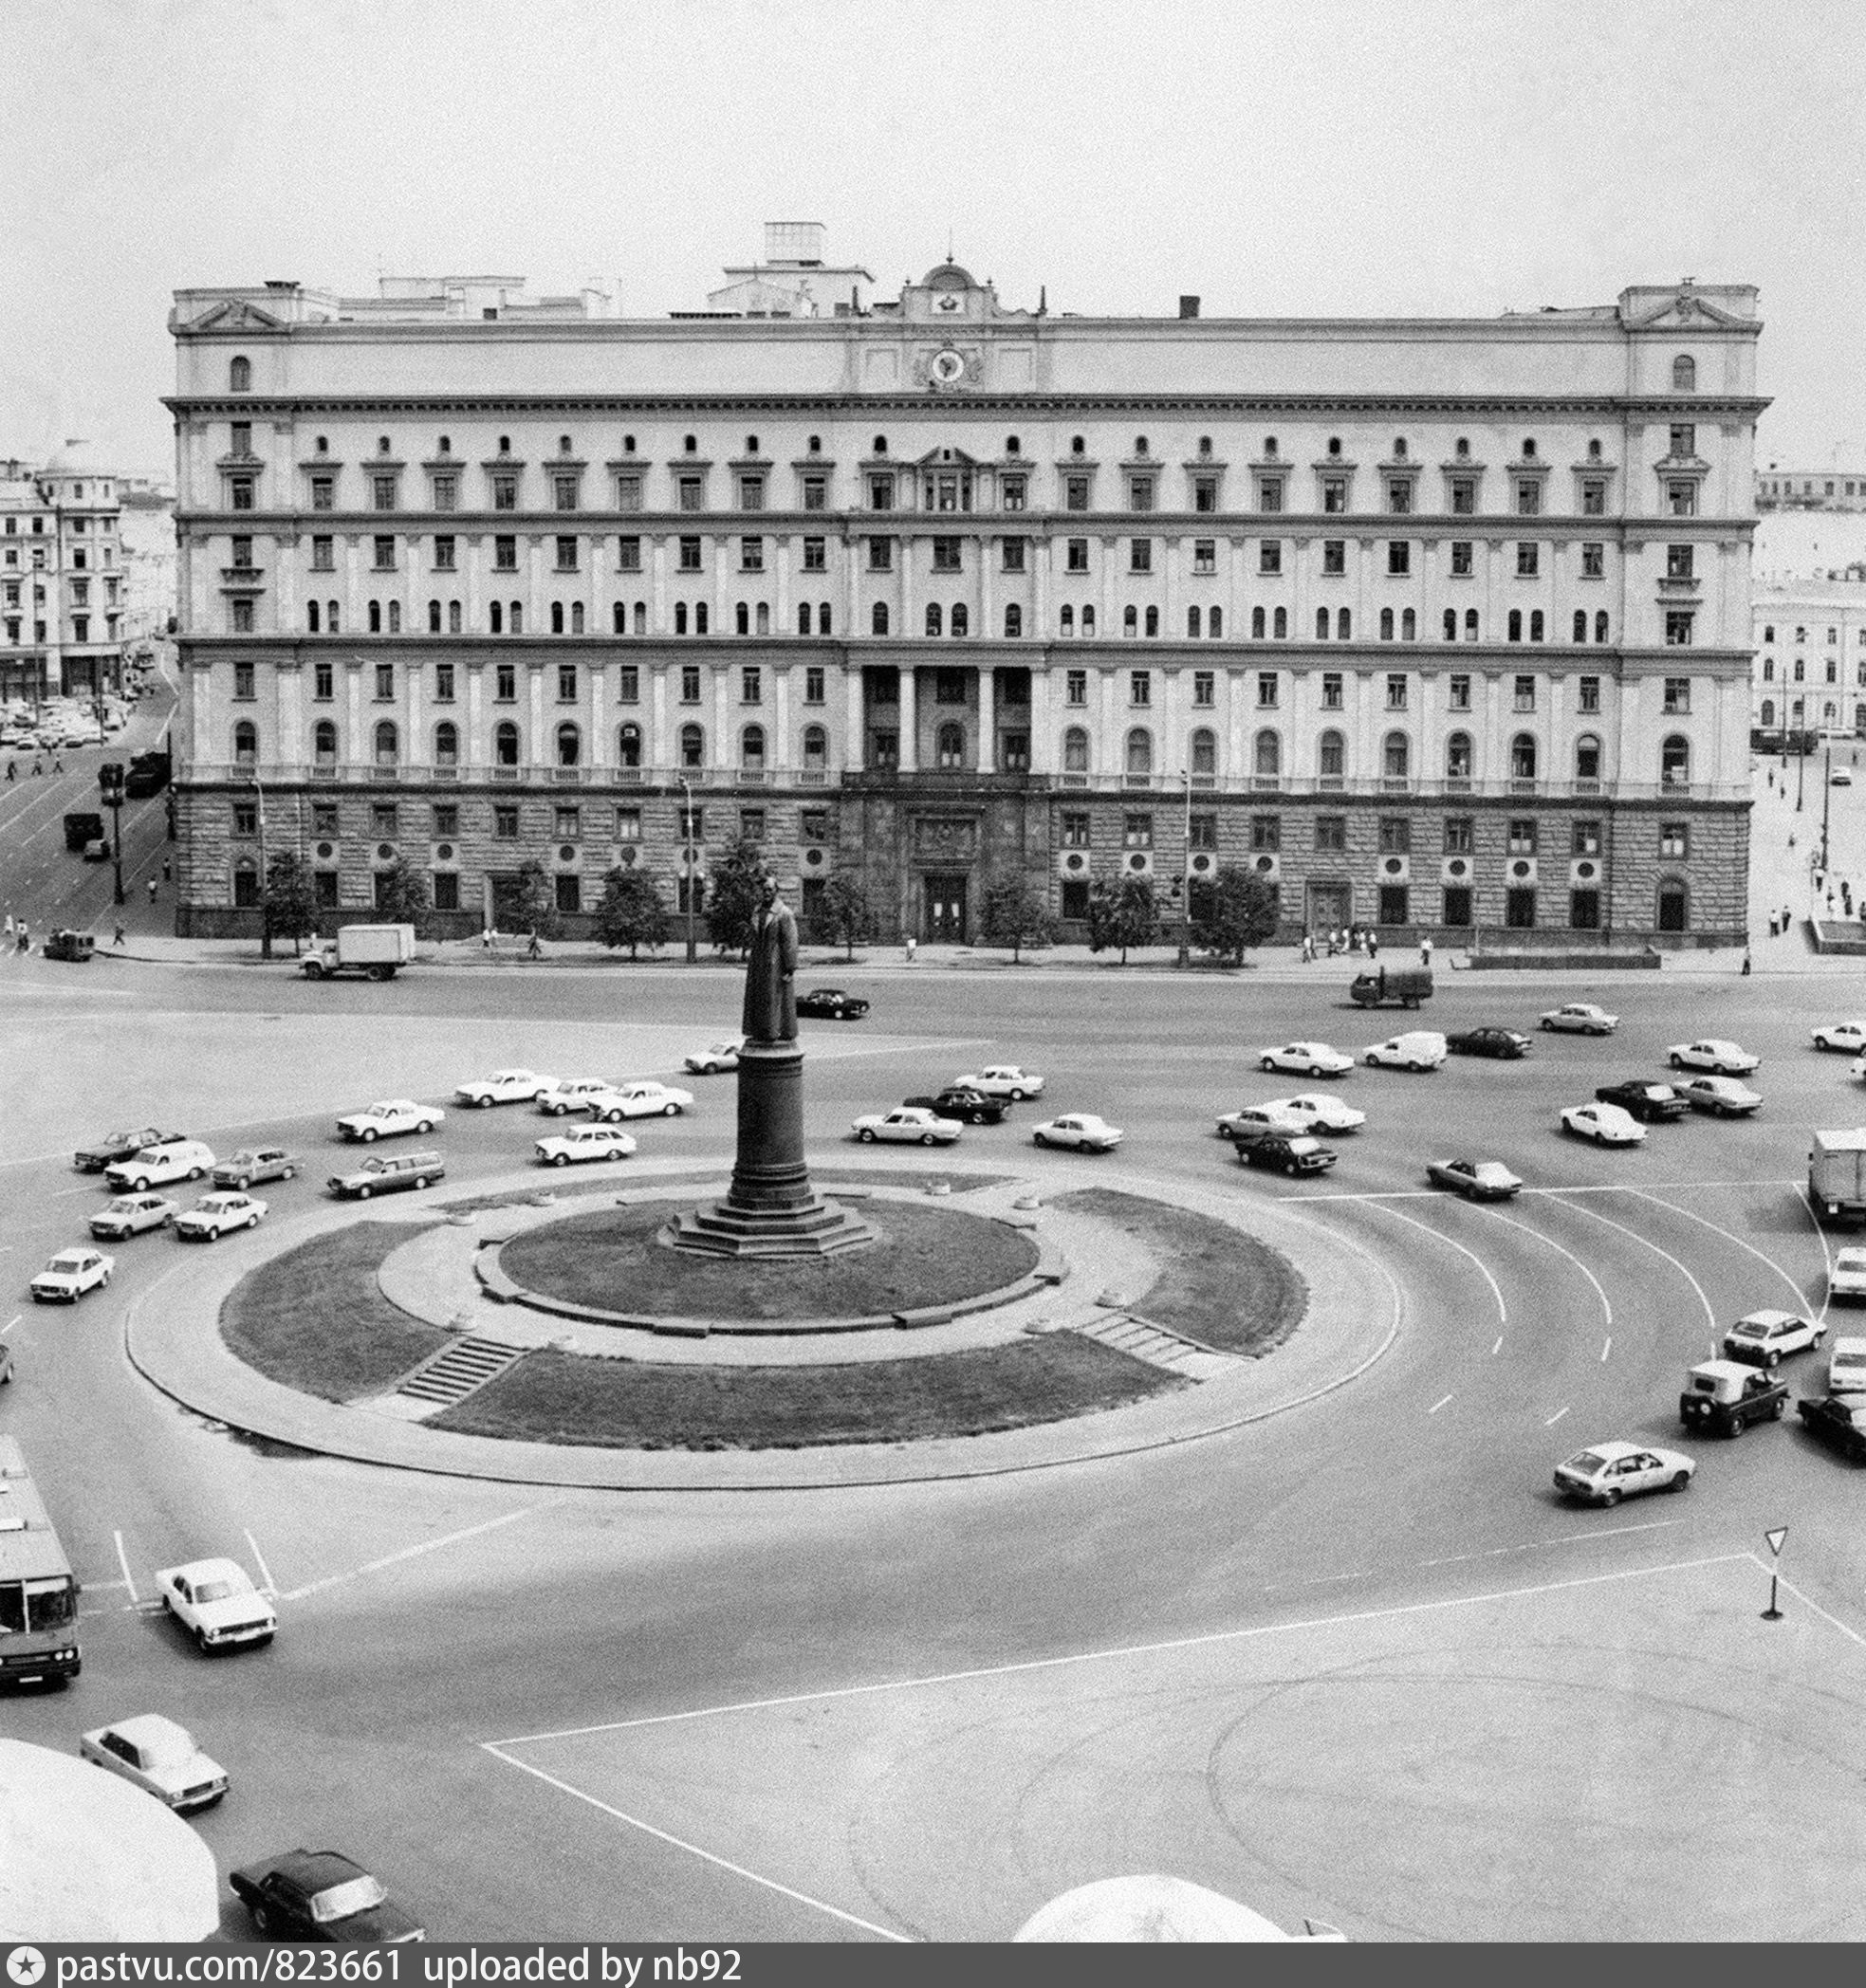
x,y
1337,940
17,937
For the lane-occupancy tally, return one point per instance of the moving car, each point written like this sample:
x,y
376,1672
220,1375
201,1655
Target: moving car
x,y
1650,1102
1002,1080
962,1102
1081,1129
503,1087
831,1005
318,1894
1476,1180
388,1173
256,1163
1320,1113
1311,1059
217,1605
716,1058
1714,1053
1488,1041
131,1214
1403,986
158,1756
911,1125
571,1094
1762,1338
1846,1367
1257,1121
173,1160
1725,1397
1839,1421
389,1119
1288,1152
1722,1096
97,851
1605,1124
584,1142
1611,1471
640,1100
1847,1278
1579,1017
74,946
1840,777
214,1214
114,1147
70,1274
1417,1049
1847,1037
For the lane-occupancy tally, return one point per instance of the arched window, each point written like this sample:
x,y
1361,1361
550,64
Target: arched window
x,y
433,618
1674,761
1587,757
1129,621
803,617
1386,624
1409,625
311,616
1673,905
628,745
395,618
641,618
1013,621
1267,756
1458,759
1684,374
935,618
454,617
1074,750
680,617
702,619
741,619
1088,621
1580,624
1205,752
1471,624
1450,624
1769,714
576,618
1280,624
619,617
1067,619
1193,619
246,742
376,617
388,745
1215,624
324,743
330,617
1140,752
505,743
1153,621
877,619
1522,757
1256,624
693,747
1322,624
496,619
1515,624
1535,624
961,619
1601,626
751,749
816,748
1397,756
949,745
447,745
557,618
1331,757
569,745
1768,669
822,618
1344,624
239,376
518,617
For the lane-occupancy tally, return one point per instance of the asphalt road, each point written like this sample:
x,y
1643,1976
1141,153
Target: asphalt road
x,y
423,1617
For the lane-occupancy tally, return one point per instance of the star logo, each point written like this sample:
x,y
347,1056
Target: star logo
x,y
26,1966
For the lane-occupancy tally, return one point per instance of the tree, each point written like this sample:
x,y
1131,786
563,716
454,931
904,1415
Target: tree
x,y
733,894
401,894
1235,910
1014,914
631,913
1122,911
289,907
526,901
843,915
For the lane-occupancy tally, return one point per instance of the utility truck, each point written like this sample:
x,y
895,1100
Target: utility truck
x,y
361,952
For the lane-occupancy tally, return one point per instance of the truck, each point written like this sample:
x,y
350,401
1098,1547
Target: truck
x,y
1837,1175
1393,986
81,828
360,952
149,773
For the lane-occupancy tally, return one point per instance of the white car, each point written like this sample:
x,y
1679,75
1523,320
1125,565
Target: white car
x,y
1311,1059
1320,1113
1840,777
1002,1080
214,1214
173,1160
1081,1131
1721,1058
217,1604
1847,1037
716,1058
1611,1471
1580,1017
584,1142
1723,1097
638,1100
503,1087
1848,1277
1761,1339
70,1274
571,1094
389,1119
1254,1121
160,1757
909,1125
130,1214
1605,1124
1415,1049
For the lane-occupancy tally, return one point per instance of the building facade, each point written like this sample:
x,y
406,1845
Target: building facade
x,y
1810,671
1782,489
1439,625
61,579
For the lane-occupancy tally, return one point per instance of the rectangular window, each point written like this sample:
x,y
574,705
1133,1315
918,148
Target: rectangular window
x,y
690,556
444,555
566,555
1399,495
1334,557
628,493
569,892
1269,555
243,682
751,684
385,683
1076,556
1399,557
751,494
880,493
751,555
1590,693
505,683
1458,693
505,493
1586,839
1140,556
1678,566
446,494
1675,839
1333,494
816,555
241,557
443,682
752,824
628,684
323,683
1140,493
241,444
628,555
1140,686
1074,494
946,556
246,818
1522,837
1204,494
1015,488
1331,690
566,683
1457,905
1463,559
385,549
1205,689
1269,493
815,493
1460,834
323,817
324,888
1678,625
1463,496
382,819
1395,692
1680,499
242,492
815,825
1525,693
1684,440
323,555
1137,831
242,622
382,493
628,824
1331,834
1593,559
1075,687
505,822
1266,832
445,890
1528,497
1677,696
1013,555
880,555
447,818
689,824
815,684
569,824
1528,557
689,682
1395,835
504,554
1593,498
690,492
1075,830
1205,554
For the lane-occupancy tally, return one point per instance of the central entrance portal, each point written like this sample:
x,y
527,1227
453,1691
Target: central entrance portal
x,y
944,908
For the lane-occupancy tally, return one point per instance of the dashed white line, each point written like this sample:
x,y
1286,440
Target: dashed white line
x,y
410,1553
10,1323
1729,1236
1439,1235
1557,1417
1439,1404
265,1582
123,1561
1598,1292
1607,1349
1498,1347
1646,1241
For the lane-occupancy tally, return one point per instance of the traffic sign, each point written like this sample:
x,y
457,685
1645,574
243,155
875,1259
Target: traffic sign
x,y
1774,1536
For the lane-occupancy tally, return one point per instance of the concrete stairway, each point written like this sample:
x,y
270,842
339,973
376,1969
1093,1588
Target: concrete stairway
x,y
1156,1344
457,1370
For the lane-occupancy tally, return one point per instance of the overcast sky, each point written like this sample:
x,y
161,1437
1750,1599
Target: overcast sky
x,y
1278,157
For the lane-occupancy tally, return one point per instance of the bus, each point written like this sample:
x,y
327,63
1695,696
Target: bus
x,y
38,1591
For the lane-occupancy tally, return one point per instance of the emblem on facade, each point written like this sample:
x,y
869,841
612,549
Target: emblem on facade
x,y
949,367
946,839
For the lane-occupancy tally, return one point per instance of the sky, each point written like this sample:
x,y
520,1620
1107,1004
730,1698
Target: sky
x,y
1277,157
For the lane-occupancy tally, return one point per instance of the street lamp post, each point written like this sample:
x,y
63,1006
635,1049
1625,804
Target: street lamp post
x,y
1801,773
265,893
687,837
1826,800
1186,877
111,779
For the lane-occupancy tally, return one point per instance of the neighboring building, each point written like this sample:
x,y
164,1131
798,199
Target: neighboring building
x,y
61,579
1782,489
1439,624
149,560
1810,670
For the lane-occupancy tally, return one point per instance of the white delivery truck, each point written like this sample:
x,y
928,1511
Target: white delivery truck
x,y
360,952
1837,1175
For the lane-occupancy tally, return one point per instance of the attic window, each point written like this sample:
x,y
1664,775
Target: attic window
x,y
1529,452
1684,374
751,445
446,447
1334,444
1463,450
693,445
628,445
1594,452
880,445
505,445
381,444
1140,444
816,445
564,445
321,447
1269,448
1010,445
1078,446
1205,444
1399,448
239,376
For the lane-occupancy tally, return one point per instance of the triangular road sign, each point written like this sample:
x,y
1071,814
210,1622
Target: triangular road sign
x,y
1774,1536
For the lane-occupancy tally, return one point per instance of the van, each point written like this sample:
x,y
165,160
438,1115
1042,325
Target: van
x,y
388,1173
1417,1049
173,1160
1846,1367
1393,986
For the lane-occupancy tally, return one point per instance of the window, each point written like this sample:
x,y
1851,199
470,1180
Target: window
x,y
1520,908
1140,493
323,682
1386,624
1675,839
1522,757
1396,757
1331,834
878,617
1140,556
751,749
1674,761
880,493
1678,625
1332,681
1589,693
1529,496
504,554
1139,754
1270,557
1463,496
246,742
935,618
880,557
446,747
628,493
1684,441
816,558
1014,493
241,493
1074,750
690,492
1334,555
1205,689
1333,494
1461,559
1677,695
1681,498
1535,624
1137,831
504,683
1395,835
1684,374
382,493
1266,833
1140,686
1528,556
693,747
1521,837
1679,565
1331,757
946,556
1525,689
1593,498
690,556
1075,830
242,622
1458,756
1075,687
1074,494
387,744
1399,557
1399,495
1587,763
1515,624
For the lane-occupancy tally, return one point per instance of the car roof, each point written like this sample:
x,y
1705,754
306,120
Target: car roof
x,y
1768,1317
1611,1452
1725,1369
316,1869
215,1570
147,1729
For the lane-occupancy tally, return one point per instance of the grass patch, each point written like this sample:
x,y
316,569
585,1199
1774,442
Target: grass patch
x,y
827,1181
1218,1286
610,1259
315,1320
554,1397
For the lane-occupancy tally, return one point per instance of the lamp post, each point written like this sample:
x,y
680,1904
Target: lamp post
x,y
110,780
265,891
1826,800
1186,877
1800,769
687,837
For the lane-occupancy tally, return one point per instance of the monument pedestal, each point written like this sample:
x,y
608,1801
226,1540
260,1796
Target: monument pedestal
x,y
772,1209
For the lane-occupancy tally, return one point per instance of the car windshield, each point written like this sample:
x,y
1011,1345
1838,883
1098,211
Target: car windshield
x,y
374,1167
69,1259
221,1590
357,1894
1587,1464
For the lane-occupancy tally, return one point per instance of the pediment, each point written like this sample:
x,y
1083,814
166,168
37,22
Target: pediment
x,y
236,316
1686,311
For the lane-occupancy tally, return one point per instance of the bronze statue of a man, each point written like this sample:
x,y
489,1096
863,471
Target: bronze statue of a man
x,y
770,976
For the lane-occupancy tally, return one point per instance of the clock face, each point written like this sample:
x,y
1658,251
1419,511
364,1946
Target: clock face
x,y
948,367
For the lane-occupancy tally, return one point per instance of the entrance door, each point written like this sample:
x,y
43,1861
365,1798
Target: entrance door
x,y
944,899
1330,904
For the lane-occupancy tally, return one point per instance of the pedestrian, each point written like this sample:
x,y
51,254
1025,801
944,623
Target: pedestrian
x,y
1372,947
486,939
1425,954
534,951
1775,926
58,764
1745,957
1787,921
116,938
25,937
913,945
12,771
168,871
1308,947
152,889
37,769
9,928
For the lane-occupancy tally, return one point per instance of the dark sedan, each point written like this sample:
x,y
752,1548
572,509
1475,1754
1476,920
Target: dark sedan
x,y
114,1147
318,1894
1477,1180
831,1005
1839,1421
1287,1153
962,1102
1489,1042
1651,1103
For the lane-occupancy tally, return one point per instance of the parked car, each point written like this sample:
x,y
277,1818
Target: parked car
x,y
1722,1096
1763,1338
1715,1053
962,1102
909,1125
1723,1397
131,1214
1846,1367
158,1756
216,1603
1488,1041
1579,1017
831,1005
153,1166
98,851
1849,1038
1007,1080
256,1163
503,1087
388,1173
584,1142
1840,777
214,1214
74,946
1081,1130
640,1100
114,1147
70,1274
1650,1102
1417,1049
1847,1278
570,1093
1288,1152
717,1057
1605,1124
1321,1113
1310,1058
1611,1471
318,1894
389,1119
1476,1180
1838,1421
1252,1122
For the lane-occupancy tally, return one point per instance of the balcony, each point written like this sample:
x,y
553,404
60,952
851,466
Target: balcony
x,y
242,580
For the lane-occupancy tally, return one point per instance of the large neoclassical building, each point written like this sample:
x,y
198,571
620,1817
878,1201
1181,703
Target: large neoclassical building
x,y
1439,624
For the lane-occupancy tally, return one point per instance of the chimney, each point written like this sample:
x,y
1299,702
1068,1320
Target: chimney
x,y
1189,307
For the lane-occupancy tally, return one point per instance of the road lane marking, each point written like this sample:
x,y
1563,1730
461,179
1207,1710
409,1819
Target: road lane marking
x,y
1601,1187
648,1829
1826,1254
123,1561
1492,1552
1646,1241
1439,1404
1503,1310
1807,1601
1598,1292
1729,1236
267,1585
10,1323
1557,1417
1607,1349
410,1553
1498,1347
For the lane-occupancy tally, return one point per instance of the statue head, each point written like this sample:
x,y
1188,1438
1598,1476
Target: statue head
x,y
767,894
